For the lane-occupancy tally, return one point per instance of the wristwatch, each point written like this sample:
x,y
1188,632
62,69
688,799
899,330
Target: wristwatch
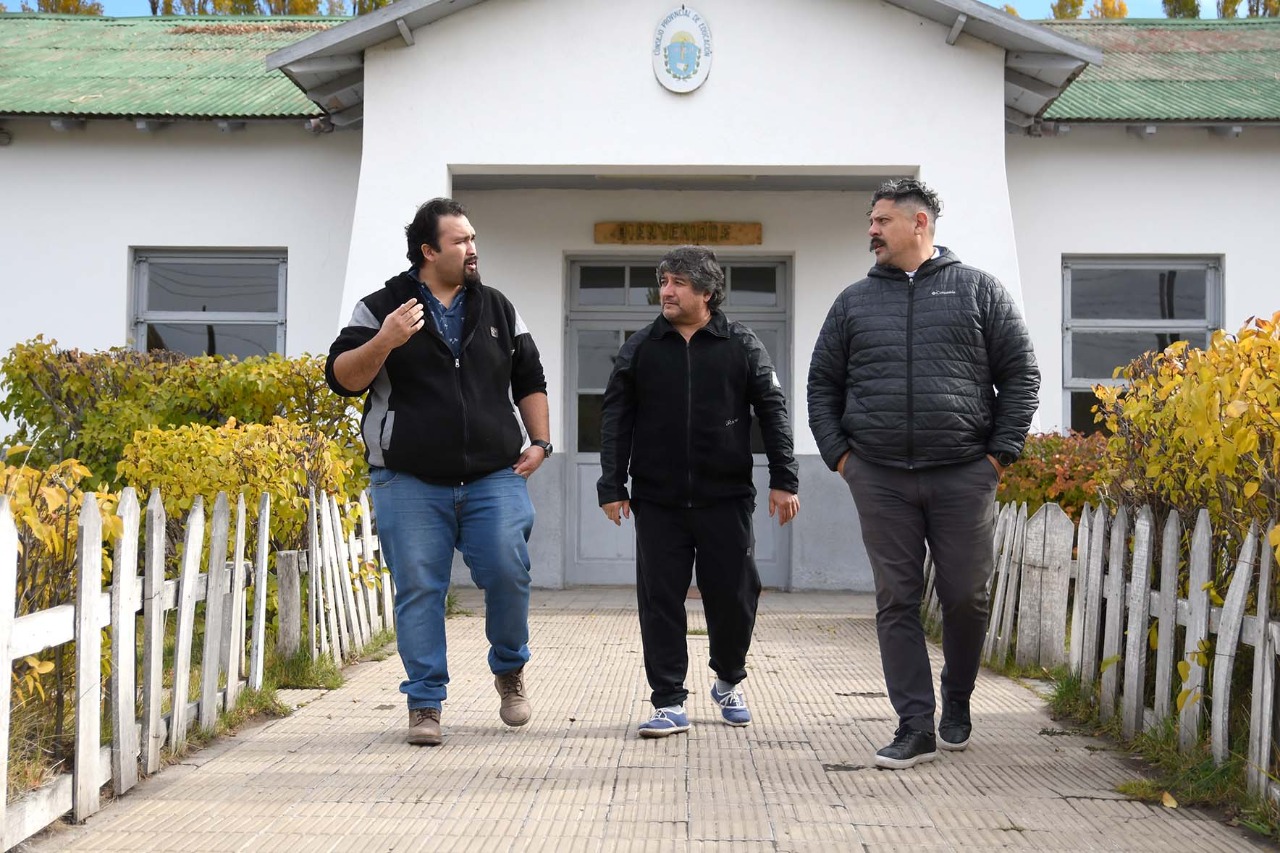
x,y
545,445
1004,457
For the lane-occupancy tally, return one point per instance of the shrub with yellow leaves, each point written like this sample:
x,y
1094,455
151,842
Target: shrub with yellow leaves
x,y
1196,428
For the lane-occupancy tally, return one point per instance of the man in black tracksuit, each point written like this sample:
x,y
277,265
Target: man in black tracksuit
x,y
677,415
922,388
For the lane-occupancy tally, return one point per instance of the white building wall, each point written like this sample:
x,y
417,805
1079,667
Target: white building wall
x,y
1101,191
524,238
75,204
568,87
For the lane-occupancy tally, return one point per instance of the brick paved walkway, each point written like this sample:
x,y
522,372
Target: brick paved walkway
x,y
337,774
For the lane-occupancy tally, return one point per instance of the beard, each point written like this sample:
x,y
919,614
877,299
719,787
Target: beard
x,y
469,277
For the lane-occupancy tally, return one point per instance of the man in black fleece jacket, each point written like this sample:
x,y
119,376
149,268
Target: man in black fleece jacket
x,y
447,466
677,417
922,388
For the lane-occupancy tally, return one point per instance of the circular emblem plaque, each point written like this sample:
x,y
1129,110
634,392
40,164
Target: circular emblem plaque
x,y
682,50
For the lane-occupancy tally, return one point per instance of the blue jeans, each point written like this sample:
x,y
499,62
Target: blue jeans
x,y
419,526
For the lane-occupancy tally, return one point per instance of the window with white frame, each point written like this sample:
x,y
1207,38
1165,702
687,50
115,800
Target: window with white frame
x,y
210,302
1115,309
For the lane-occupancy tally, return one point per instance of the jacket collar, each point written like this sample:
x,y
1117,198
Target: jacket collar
x,y
945,259
718,326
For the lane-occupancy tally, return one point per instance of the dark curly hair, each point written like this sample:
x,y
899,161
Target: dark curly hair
x,y
425,227
699,265
913,192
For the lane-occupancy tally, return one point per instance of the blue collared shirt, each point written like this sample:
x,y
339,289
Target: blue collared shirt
x,y
448,320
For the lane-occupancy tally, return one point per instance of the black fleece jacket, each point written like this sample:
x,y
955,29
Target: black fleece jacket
x,y
678,416
444,420
917,374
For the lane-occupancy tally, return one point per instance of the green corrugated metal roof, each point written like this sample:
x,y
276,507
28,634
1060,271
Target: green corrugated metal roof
x,y
181,67
1175,70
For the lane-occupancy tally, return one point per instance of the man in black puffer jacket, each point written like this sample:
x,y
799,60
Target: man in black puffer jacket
x,y
677,417
922,388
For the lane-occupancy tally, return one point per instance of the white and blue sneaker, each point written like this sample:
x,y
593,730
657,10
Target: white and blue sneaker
x,y
665,721
733,706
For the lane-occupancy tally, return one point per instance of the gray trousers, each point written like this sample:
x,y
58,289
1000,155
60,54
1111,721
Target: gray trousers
x,y
952,508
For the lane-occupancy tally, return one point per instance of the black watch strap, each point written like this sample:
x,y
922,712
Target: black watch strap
x,y
545,445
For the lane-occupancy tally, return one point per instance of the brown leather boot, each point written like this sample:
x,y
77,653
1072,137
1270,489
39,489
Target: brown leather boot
x,y
424,726
515,710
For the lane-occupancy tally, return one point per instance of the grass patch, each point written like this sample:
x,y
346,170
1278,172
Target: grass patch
x,y
696,632
1188,778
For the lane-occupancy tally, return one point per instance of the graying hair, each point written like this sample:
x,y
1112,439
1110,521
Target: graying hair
x,y
699,265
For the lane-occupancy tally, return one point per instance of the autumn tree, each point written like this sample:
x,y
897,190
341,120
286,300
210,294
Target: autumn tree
x,y
1264,8
1228,8
1181,8
1011,11
64,7
1066,10
1109,9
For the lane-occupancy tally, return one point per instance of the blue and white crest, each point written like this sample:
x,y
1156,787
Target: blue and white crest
x,y
682,50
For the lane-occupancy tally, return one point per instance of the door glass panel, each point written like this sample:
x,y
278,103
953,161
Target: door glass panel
x,y
589,422
601,285
753,287
643,288
597,349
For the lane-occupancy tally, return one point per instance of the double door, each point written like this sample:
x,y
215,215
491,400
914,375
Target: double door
x,y
599,322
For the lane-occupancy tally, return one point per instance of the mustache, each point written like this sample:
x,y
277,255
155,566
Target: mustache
x,y
875,243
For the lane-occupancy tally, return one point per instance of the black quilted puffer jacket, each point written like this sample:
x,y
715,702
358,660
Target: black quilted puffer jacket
x,y
917,374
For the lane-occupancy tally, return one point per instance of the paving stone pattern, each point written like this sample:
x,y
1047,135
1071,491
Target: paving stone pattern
x,y
337,775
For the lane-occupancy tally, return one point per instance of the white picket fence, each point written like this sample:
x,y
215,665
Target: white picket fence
x,y
1095,612
344,606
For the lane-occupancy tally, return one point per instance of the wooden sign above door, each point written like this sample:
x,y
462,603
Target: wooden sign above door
x,y
681,233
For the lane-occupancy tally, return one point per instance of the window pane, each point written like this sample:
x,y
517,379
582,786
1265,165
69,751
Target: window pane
x,y
1095,355
1138,294
240,340
644,287
596,351
1082,403
600,285
238,286
753,286
589,406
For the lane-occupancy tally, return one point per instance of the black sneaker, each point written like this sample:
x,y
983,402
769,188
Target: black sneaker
x,y
909,748
955,728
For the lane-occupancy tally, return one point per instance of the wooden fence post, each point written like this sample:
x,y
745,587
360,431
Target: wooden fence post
x,y
153,634
315,614
288,603
124,647
1197,632
233,635
257,661
355,623
1135,647
1084,535
1060,533
1262,703
1093,574
369,565
1167,614
1113,662
339,640
1032,598
1012,590
8,610
214,612
1224,647
88,639
186,607
999,580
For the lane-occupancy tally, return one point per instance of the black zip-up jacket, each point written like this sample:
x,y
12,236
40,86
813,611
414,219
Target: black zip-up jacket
x,y
446,421
679,416
919,374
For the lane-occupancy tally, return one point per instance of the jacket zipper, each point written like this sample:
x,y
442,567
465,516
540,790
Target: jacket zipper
x,y
688,414
911,419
